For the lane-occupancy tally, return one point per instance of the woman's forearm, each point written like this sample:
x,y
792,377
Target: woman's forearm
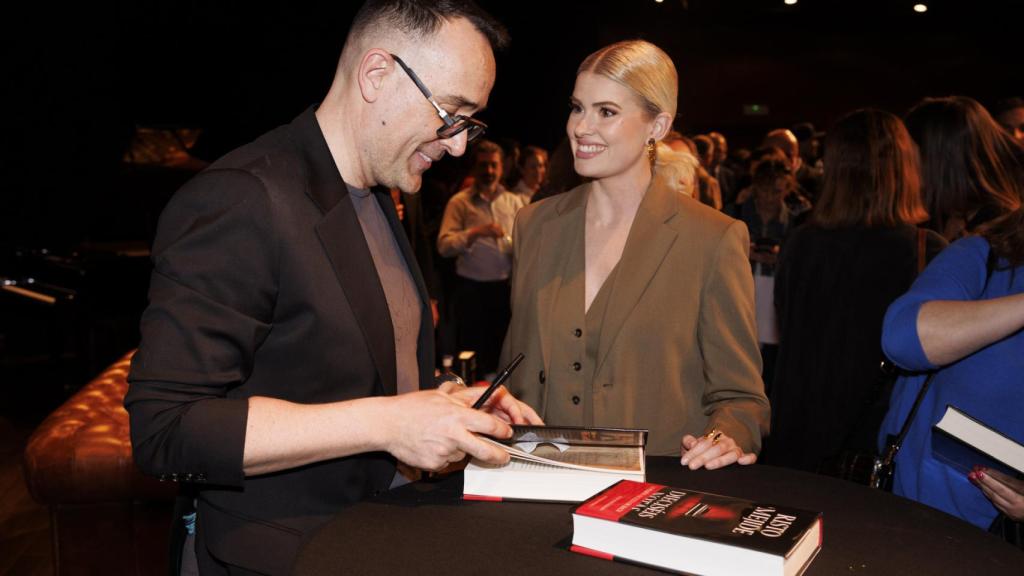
x,y
950,330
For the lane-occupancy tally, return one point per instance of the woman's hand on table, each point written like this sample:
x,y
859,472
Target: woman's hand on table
x,y
1006,493
713,450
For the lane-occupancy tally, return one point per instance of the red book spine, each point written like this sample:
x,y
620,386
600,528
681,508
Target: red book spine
x,y
617,500
481,498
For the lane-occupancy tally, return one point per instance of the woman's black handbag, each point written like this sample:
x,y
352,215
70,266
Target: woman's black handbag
x,y
856,459
884,467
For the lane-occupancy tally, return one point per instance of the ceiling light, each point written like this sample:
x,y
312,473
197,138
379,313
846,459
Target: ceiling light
x,y
920,8
789,2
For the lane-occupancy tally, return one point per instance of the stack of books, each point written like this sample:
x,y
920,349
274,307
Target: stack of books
x,y
624,518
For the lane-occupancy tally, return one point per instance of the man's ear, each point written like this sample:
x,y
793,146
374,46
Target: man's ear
x,y
374,68
661,125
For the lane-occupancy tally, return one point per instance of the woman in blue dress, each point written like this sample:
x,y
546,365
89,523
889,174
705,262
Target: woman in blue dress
x,y
963,316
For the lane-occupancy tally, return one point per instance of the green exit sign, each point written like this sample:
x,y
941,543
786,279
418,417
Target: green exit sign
x,y
755,109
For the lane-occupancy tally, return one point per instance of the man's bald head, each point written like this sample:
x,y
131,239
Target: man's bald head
x,y
786,141
721,146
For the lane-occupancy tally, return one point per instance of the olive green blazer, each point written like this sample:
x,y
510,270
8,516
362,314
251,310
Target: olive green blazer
x,y
675,349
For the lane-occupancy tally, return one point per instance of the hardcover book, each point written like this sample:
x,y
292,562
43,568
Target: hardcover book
x,y
558,464
963,442
683,530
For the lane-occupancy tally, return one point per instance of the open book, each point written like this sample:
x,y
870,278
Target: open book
x,y
558,463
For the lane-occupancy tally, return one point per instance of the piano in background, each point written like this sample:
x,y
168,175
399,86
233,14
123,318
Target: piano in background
x,y
70,307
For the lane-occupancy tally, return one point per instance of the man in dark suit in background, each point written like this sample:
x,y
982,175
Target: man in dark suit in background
x,y
286,362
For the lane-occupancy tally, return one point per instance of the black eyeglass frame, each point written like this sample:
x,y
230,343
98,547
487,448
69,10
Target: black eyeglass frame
x,y
453,125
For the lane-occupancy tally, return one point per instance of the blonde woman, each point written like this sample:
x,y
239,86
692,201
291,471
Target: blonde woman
x,y
632,302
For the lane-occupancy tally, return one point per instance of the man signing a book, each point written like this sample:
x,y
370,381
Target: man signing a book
x,y
286,360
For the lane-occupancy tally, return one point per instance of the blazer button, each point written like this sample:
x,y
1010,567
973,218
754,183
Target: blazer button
x,y
575,399
577,333
577,366
542,377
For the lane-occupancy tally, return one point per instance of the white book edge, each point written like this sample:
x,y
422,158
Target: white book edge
x,y
958,424
524,480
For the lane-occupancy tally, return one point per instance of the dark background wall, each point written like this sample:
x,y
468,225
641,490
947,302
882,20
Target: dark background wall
x,y
80,78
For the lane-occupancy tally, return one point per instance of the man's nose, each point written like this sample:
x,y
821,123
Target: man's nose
x,y
456,145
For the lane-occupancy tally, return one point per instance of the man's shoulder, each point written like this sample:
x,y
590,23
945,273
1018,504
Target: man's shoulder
x,y
272,151
514,199
464,196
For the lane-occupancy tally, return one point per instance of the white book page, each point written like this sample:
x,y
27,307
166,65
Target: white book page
x,y
590,458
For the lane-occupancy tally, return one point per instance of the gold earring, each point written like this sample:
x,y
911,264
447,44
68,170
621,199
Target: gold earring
x,y
652,151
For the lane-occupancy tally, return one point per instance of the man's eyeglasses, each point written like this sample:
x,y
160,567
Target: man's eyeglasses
x,y
453,125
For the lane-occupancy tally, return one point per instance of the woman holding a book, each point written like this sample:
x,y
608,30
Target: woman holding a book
x,y
632,302
964,316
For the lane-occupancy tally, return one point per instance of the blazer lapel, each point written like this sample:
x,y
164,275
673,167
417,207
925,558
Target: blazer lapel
x,y
343,241
649,240
557,235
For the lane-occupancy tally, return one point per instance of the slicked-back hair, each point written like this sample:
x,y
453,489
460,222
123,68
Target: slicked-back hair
x,y
872,176
643,68
422,18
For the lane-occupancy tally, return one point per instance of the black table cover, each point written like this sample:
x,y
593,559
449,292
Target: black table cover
x,y
425,528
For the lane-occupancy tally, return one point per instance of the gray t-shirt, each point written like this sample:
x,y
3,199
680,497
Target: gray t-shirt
x,y
404,302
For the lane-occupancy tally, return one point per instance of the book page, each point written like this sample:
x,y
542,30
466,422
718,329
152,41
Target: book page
x,y
594,458
578,436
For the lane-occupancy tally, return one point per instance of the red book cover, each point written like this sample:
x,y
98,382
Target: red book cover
x,y
698,517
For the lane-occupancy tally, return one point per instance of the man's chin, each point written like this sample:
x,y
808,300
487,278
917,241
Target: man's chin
x,y
411,184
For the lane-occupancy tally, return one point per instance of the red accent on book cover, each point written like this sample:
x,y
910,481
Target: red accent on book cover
x,y
617,500
481,498
589,552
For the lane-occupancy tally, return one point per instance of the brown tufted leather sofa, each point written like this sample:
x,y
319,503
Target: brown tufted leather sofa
x,y
105,516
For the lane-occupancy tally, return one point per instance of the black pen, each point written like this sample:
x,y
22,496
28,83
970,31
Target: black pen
x,y
498,381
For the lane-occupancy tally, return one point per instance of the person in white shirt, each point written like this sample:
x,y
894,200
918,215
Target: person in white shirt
x,y
477,231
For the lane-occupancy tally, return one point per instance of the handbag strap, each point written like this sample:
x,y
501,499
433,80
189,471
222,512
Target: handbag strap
x,y
921,237
913,412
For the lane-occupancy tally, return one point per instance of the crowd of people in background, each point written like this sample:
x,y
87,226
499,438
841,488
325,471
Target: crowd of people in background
x,y
840,224
736,304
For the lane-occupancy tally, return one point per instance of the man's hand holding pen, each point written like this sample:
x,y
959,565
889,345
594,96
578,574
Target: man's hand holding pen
x,y
434,428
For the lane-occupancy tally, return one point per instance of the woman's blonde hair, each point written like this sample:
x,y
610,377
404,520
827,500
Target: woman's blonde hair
x,y
649,72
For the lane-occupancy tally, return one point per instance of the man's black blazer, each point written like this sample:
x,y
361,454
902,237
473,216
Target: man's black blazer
x,y
263,285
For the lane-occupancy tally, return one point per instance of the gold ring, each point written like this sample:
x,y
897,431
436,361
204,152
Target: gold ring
x,y
712,433
714,439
